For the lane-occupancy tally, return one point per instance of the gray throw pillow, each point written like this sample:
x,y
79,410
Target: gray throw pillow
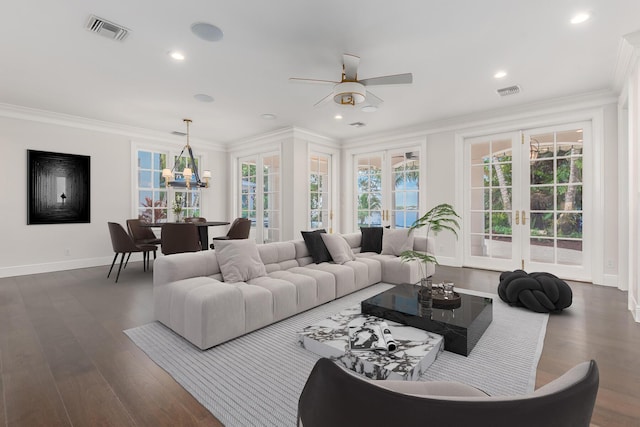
x,y
239,260
338,248
396,241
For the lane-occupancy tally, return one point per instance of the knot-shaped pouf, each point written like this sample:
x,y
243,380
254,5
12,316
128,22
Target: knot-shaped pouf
x,y
540,292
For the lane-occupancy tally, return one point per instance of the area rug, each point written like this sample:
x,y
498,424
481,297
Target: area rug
x,y
255,380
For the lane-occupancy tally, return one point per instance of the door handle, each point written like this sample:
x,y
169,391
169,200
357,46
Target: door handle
x,y
517,217
524,218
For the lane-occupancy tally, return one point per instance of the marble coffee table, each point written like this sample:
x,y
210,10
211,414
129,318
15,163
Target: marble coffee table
x,y
417,349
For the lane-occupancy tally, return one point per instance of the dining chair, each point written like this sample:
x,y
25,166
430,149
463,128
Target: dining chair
x,y
122,244
179,237
142,235
240,228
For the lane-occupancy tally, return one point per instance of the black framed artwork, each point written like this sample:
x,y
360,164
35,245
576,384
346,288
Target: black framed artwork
x,y
58,188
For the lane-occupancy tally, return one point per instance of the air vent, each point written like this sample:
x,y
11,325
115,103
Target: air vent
x,y
511,90
357,124
178,133
106,29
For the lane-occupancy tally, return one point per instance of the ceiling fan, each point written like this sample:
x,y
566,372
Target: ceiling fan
x,y
350,90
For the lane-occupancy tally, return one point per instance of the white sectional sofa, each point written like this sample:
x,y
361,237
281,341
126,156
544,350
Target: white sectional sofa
x,y
191,298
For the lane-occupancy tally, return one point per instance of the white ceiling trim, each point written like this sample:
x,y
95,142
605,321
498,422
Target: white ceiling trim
x,y
476,120
61,119
628,52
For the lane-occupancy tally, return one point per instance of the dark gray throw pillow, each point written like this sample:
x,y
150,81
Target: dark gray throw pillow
x,y
315,245
371,239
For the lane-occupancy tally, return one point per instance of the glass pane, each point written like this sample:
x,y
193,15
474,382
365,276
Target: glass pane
x,y
480,199
501,176
144,179
480,176
541,198
159,161
570,197
501,223
145,198
398,180
411,217
160,198
541,224
542,172
411,200
542,250
479,152
501,199
570,252
478,247
398,202
314,201
500,247
144,160
158,181
479,222
570,170
570,225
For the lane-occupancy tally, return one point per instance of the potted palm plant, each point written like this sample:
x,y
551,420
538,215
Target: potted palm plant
x,y
439,218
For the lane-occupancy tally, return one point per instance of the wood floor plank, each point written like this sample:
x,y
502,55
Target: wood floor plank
x,y
32,398
62,350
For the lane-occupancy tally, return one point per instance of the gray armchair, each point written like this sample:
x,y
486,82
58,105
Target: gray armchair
x,y
334,397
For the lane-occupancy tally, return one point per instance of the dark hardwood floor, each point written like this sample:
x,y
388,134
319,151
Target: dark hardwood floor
x,y
65,361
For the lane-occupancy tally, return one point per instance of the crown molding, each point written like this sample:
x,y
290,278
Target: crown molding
x,y
61,119
628,52
278,135
490,117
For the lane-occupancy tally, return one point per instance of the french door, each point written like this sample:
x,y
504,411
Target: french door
x,y
388,188
260,195
320,194
527,201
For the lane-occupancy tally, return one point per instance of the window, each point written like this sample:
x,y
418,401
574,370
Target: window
x,y
151,191
154,201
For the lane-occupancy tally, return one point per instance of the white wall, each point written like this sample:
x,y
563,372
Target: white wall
x,y
41,248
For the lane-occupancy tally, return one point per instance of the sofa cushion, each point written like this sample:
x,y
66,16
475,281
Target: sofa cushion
x,y
338,248
371,239
239,260
316,246
396,241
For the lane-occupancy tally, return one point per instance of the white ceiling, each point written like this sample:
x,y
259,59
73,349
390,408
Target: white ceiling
x,y
453,48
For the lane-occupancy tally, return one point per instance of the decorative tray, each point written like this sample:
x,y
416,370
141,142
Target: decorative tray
x,y
440,301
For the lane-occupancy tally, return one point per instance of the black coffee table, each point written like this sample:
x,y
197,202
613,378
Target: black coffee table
x,y
461,327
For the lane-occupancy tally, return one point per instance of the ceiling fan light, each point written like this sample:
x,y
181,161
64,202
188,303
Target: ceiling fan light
x,y
349,93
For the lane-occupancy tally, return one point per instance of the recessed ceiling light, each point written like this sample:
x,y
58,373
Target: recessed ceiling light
x,y
207,32
268,116
500,74
579,130
202,97
580,18
178,56
337,117
369,108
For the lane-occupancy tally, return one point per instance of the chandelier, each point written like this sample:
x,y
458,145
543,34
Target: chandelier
x,y
190,170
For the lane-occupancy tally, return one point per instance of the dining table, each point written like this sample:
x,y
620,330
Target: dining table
x,y
203,229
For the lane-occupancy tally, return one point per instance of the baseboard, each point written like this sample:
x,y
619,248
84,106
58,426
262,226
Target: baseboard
x,y
634,308
609,280
23,270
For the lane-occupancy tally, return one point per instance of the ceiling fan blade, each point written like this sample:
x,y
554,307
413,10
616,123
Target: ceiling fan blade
x,y
323,101
371,99
313,81
350,64
396,79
